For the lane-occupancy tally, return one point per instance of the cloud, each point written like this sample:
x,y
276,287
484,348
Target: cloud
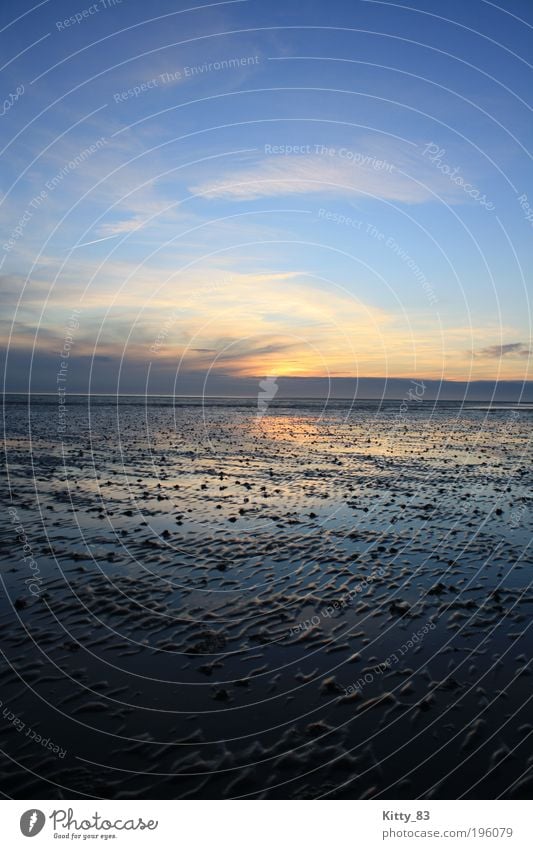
x,y
519,349
128,225
280,324
373,168
245,324
289,175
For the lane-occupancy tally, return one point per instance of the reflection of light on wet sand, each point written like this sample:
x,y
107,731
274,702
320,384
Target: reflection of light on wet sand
x,y
349,438
297,429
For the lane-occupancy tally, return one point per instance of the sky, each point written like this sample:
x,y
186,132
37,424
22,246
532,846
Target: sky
x,y
194,197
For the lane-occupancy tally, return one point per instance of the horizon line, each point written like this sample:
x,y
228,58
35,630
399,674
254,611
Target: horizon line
x,y
254,397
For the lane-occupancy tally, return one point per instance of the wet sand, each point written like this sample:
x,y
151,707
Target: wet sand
x,y
299,603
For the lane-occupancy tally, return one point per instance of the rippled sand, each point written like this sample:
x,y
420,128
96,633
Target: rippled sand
x,y
219,602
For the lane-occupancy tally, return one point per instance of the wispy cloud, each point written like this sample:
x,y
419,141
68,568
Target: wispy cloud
x,y
386,170
281,176
127,225
513,349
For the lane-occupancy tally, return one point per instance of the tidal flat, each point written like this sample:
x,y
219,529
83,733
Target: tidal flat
x,y
203,599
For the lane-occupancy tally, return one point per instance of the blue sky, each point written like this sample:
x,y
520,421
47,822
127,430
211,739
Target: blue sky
x,y
246,189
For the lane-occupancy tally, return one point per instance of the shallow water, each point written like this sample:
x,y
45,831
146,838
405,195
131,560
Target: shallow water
x,y
222,603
